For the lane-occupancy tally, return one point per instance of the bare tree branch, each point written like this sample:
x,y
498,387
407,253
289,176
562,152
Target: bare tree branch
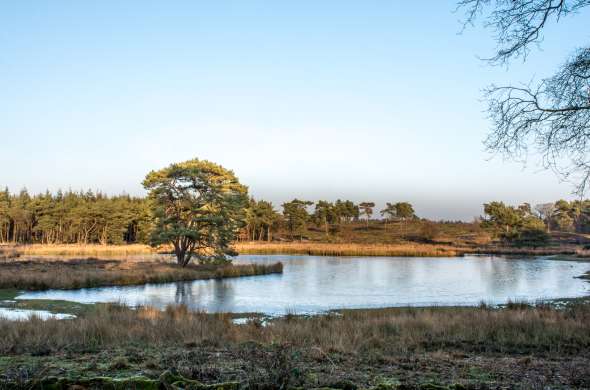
x,y
518,23
554,118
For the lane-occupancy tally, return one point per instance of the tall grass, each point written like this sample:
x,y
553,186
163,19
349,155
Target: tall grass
x,y
41,274
402,249
527,251
7,253
83,250
335,249
520,330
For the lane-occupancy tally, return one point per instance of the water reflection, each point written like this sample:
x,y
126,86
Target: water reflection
x,y
312,284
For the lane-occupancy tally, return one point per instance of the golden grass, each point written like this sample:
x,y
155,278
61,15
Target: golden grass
x,y
521,329
401,249
83,250
335,249
528,251
303,248
41,274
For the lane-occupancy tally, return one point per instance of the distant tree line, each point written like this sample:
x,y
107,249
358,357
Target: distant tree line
x,y
69,217
84,217
297,215
73,217
527,225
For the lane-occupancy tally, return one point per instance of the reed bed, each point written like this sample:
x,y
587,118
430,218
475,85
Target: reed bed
x,y
83,250
521,329
528,251
7,253
42,274
336,249
314,248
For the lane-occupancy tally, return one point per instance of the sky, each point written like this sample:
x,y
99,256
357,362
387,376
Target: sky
x,y
363,100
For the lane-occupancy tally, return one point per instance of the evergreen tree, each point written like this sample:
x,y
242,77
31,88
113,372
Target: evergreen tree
x,y
296,216
199,208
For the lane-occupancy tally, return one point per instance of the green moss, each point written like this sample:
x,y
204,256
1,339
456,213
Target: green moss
x,y
479,375
8,300
107,383
432,386
343,385
53,306
386,384
119,363
8,294
167,380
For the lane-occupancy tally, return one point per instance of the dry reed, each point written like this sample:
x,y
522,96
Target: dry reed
x,y
522,329
83,250
336,249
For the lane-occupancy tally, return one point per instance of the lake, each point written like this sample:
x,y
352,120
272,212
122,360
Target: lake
x,y
313,284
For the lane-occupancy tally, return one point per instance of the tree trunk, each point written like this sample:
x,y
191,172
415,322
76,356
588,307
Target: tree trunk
x,y
182,252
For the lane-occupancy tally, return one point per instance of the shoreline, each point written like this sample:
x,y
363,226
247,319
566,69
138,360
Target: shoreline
x,y
68,274
9,300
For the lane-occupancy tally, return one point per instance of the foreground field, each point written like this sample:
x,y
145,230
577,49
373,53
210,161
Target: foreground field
x,y
518,346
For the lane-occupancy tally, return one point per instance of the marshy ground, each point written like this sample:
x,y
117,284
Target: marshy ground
x,y
516,346
63,273
41,273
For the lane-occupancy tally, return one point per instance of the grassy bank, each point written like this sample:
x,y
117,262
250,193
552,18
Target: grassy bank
x,y
569,250
315,248
41,274
405,249
334,249
409,249
79,250
415,348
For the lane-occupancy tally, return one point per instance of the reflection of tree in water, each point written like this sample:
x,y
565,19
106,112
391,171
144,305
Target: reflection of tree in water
x,y
223,296
184,293
212,295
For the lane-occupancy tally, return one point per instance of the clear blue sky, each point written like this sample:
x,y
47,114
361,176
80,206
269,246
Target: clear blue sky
x,y
366,100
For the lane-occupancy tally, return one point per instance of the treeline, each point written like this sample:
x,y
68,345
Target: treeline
x,y
92,217
526,224
73,217
262,220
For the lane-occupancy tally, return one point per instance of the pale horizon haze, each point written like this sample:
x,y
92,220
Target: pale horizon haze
x,y
369,101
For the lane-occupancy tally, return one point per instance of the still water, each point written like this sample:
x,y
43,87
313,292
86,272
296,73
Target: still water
x,y
312,284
